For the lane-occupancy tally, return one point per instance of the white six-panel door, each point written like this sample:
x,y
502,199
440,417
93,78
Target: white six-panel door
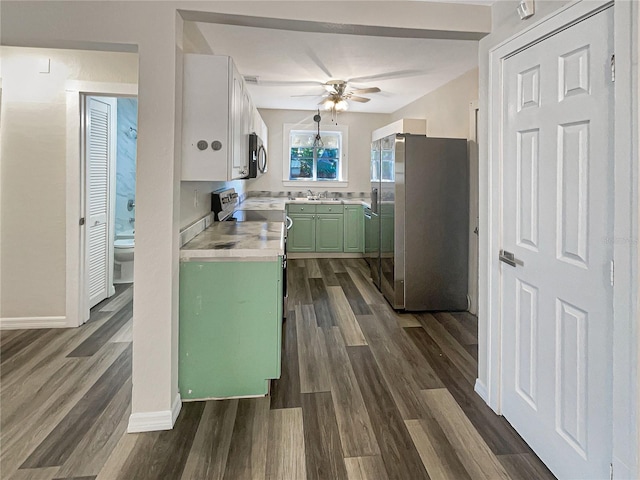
x,y
100,146
557,221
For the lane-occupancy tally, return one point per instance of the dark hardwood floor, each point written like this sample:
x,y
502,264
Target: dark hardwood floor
x,y
365,393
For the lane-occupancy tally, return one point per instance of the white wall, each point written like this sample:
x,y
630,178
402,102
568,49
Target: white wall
x,y
445,109
358,156
33,170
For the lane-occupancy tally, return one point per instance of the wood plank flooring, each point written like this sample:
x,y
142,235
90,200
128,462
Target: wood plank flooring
x,y
366,393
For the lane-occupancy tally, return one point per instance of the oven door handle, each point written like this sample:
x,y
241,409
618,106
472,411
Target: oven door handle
x,y
289,222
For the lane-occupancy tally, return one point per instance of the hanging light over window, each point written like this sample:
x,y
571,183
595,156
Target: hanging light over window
x,y
317,141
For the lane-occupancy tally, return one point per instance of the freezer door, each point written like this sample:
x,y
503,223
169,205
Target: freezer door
x,y
391,177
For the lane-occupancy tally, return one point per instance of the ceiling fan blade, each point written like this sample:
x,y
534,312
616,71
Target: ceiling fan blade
x,y
325,101
388,76
285,83
359,99
366,90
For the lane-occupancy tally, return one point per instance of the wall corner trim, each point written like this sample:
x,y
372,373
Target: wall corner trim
x,y
17,323
154,421
481,389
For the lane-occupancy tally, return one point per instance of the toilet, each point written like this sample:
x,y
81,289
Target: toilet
x,y
123,258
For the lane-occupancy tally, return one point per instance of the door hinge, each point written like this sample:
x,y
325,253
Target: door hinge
x,y
613,67
612,273
611,471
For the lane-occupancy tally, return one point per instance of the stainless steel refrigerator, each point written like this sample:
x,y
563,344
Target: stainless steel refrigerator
x,y
416,231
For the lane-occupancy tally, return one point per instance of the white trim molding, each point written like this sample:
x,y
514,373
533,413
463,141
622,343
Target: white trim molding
x,y
481,389
76,305
154,421
18,323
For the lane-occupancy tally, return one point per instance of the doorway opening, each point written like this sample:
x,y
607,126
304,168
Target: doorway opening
x,y
108,183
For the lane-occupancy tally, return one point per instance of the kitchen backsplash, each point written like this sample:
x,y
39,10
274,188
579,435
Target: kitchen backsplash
x,y
293,193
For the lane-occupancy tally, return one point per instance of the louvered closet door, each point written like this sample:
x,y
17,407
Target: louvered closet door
x,y
98,144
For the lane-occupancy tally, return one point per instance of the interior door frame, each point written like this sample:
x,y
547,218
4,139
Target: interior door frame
x,y
625,240
76,302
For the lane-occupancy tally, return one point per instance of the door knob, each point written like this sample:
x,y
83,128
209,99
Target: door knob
x,y
509,258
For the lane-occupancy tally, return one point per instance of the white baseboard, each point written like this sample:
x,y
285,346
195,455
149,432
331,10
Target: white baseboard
x,y
17,323
154,421
481,389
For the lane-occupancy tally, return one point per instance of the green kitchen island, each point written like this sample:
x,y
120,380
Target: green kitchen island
x,y
231,287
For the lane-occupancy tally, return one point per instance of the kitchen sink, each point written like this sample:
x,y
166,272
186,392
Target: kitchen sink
x,y
314,199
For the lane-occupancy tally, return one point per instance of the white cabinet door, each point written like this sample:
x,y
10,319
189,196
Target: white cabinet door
x,y
206,131
239,167
557,217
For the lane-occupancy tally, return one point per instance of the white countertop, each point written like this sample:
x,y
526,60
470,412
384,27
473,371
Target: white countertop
x,y
251,241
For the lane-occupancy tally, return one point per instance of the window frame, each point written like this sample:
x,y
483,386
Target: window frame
x,y
342,179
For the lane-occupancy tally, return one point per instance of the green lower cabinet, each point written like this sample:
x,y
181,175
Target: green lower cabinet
x,y
353,229
302,235
326,228
329,232
230,328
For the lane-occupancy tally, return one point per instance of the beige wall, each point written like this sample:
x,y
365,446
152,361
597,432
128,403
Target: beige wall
x,y
33,170
358,156
445,109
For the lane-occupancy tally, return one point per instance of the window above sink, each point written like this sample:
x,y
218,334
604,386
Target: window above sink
x,y
307,164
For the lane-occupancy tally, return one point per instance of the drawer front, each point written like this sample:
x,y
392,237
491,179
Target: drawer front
x,y
301,208
330,208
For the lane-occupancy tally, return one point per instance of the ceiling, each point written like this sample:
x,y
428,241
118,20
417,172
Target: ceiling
x,y
290,63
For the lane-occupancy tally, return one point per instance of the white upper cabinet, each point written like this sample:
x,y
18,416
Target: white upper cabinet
x,y
217,118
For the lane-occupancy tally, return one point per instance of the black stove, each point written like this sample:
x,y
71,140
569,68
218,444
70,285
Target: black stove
x,y
224,204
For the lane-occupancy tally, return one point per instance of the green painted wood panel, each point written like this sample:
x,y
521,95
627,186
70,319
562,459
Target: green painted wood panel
x,y
329,232
353,229
230,328
301,237
301,208
331,208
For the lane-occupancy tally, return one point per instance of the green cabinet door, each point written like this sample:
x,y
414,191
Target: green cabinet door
x,y
301,237
353,229
230,328
329,232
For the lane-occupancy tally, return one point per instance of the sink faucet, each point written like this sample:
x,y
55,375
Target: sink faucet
x,y
310,193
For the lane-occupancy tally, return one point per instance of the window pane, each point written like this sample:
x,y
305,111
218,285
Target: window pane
x,y
328,163
301,163
307,162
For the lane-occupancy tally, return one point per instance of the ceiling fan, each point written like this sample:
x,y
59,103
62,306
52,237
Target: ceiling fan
x,y
337,95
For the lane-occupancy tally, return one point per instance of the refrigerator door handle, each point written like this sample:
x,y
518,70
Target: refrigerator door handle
x,y
374,200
